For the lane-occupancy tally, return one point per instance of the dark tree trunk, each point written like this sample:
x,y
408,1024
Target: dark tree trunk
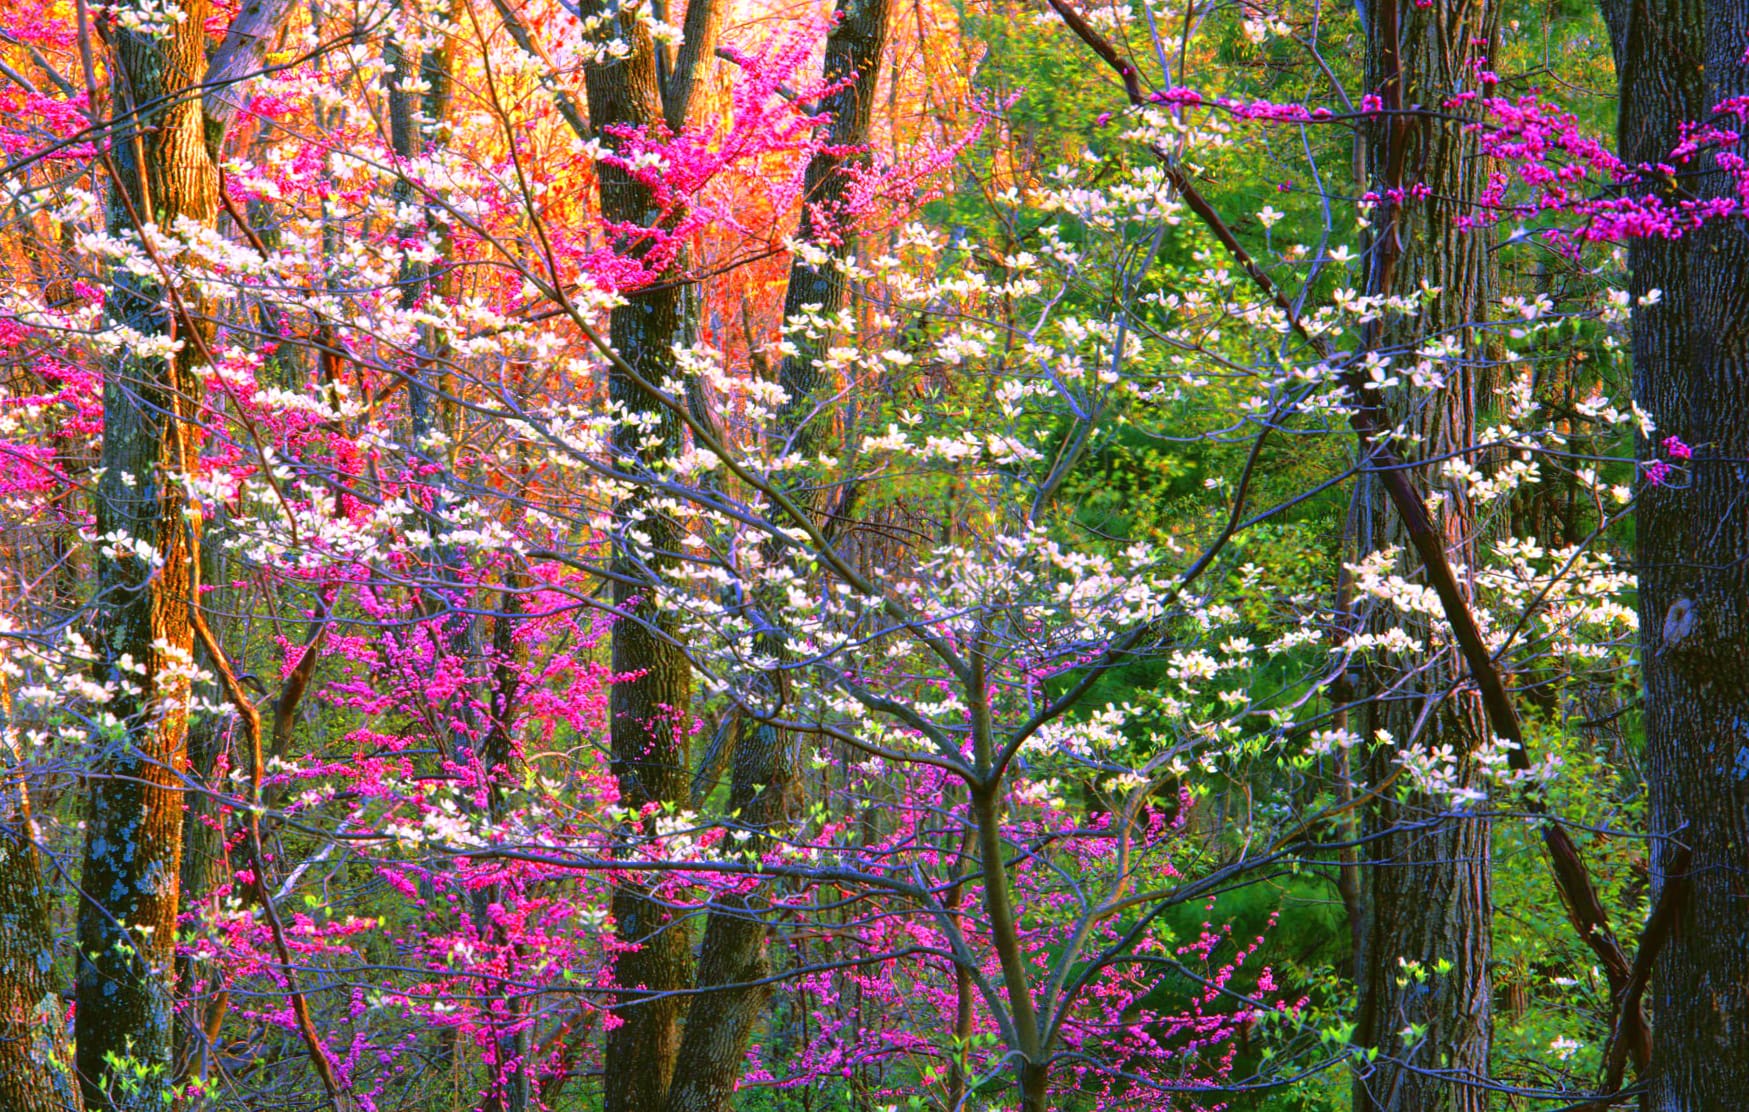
x,y
720,1024
1425,892
133,845
36,1067
648,711
1675,60
648,740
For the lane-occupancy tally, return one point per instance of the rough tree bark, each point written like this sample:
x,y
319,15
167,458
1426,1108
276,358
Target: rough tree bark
x,y
36,1067
648,711
1425,891
1675,60
1584,909
733,958
142,635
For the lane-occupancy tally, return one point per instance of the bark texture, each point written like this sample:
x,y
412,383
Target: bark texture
x,y
647,711
1425,941
36,1067
1675,60
733,959
163,174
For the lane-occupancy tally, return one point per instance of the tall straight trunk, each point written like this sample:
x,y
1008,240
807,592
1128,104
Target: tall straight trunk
x,y
733,959
428,381
133,844
648,730
1426,892
1675,60
648,710
483,741
36,1068
431,408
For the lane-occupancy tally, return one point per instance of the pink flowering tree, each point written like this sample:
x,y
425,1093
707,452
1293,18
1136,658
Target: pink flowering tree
x,y
608,657
397,682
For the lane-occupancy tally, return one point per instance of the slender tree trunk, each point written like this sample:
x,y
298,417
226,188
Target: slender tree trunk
x,y
713,1052
648,711
1031,1074
510,1088
1675,60
36,1066
133,846
203,845
1425,941
431,408
434,420
965,992
431,412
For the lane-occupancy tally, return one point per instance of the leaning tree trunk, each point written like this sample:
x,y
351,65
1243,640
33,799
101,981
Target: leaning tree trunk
x,y
1676,59
36,1069
163,175
1426,893
647,711
733,961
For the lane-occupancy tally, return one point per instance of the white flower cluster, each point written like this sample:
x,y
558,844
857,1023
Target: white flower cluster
x,y
152,18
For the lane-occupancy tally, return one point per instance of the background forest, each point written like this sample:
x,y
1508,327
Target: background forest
x,y
682,555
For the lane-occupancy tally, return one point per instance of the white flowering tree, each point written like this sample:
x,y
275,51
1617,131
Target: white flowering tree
x,y
561,656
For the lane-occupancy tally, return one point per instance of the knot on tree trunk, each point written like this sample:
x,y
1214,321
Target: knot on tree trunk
x,y
1704,638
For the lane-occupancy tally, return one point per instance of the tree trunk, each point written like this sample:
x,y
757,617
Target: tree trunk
x,y
1426,940
36,1068
509,1088
648,710
203,843
714,1050
133,846
1675,60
